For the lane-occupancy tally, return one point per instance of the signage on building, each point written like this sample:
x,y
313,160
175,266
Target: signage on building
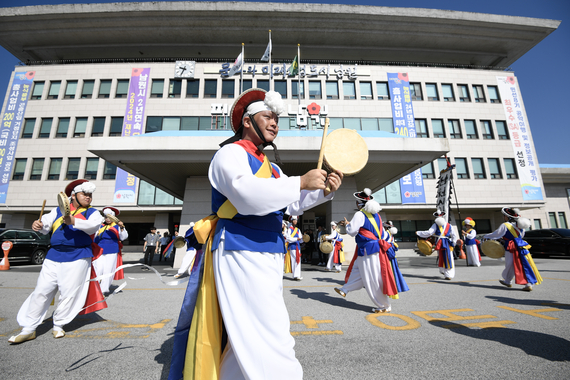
x,y
12,122
527,165
444,190
305,71
411,185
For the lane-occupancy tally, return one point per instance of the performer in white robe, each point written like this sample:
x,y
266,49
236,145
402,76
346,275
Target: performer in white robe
x,y
471,249
334,237
446,239
294,237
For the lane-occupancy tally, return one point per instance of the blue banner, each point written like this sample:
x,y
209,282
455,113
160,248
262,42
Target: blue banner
x,y
411,185
12,122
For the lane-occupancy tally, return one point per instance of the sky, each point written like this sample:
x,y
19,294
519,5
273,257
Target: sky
x,y
542,73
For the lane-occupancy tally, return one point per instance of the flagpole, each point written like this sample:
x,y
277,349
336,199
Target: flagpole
x,y
241,71
299,74
270,68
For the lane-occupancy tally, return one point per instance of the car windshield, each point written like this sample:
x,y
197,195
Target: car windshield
x,y
562,231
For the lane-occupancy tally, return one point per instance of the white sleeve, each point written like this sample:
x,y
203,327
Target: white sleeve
x,y
498,233
329,237
47,220
354,226
123,234
428,233
91,225
288,237
471,235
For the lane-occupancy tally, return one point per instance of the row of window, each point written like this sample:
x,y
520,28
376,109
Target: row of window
x,y
55,165
557,223
479,170
364,90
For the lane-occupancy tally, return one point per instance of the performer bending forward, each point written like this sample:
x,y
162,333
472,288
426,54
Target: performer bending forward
x,y
446,239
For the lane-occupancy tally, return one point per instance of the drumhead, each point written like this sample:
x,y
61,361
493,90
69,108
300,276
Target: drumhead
x,y
326,247
113,218
306,238
63,202
345,150
179,242
493,249
425,247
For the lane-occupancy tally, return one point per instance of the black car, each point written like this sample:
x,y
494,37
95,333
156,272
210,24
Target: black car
x,y
549,241
28,245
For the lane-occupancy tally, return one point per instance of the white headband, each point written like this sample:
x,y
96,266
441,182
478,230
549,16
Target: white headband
x,y
108,211
272,102
85,187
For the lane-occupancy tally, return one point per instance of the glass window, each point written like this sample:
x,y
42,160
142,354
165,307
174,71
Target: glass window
x,y
109,171
171,123
553,221
315,90
163,198
146,193
286,122
157,88
28,131
366,90
352,123
248,83
105,88
369,124
175,88
122,88
510,168
487,130
80,127
91,168
38,90
295,89
54,89
537,224
502,132
348,90
416,91
153,124
87,91
116,126
70,89
382,90
332,90
37,169
461,168
478,169
19,169
562,220
478,93
62,127
493,94
45,128
228,88
335,123
205,122
463,93
72,168
447,92
454,129
471,129
210,88
386,124
263,84
431,91
441,164
421,128
98,126
393,194
281,87
192,88
494,168
189,123
437,127
427,171
54,168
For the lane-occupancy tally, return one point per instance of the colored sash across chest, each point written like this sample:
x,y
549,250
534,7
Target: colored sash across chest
x,y
77,213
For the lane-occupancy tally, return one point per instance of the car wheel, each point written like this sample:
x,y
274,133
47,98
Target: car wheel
x,y
38,257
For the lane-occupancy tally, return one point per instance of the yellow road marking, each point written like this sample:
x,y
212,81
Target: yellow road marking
x,y
310,322
411,323
483,325
331,332
450,314
534,313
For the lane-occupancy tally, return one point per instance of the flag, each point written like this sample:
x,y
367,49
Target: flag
x,y
168,250
294,68
237,65
267,53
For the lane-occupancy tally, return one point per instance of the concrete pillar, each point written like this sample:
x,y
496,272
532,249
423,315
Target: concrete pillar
x,y
161,220
344,206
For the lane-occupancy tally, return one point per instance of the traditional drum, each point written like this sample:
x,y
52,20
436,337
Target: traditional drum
x,y
326,247
179,242
63,202
425,247
346,151
306,238
113,218
493,249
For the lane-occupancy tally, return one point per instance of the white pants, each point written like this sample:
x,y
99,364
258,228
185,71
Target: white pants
x,y
295,268
509,271
187,261
366,273
331,264
450,273
472,255
250,294
105,264
66,277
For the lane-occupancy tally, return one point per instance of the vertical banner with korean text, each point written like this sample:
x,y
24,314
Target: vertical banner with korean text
x,y
126,183
526,163
411,185
12,122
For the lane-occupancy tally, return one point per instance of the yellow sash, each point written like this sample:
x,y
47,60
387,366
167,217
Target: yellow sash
x,y
373,222
59,221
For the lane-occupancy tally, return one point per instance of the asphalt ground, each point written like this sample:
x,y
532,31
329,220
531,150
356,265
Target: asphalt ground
x,y
471,327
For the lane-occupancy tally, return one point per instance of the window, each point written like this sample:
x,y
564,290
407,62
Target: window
x,y
441,164
431,91
70,89
281,87
109,171
487,130
38,90
463,93
153,124
54,168
493,94
454,129
210,88
552,219
437,127
348,90
62,127
416,91
189,123
91,168
510,169
315,90
45,128
175,88
366,90
471,129
478,169
37,169
116,126
447,92
72,168
19,169
54,87
192,88
352,123
332,90
386,125
248,83
28,131
494,168
427,171
157,88
562,220
122,88
382,90
98,126
295,89
150,195
171,123
421,128
537,224
502,132
478,93
80,127
461,168
389,194
369,124
87,91
228,88
104,88
263,84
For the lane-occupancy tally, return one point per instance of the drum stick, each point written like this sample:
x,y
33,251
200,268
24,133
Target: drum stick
x,y
42,212
322,152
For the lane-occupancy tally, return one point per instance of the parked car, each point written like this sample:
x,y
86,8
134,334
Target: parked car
x,y
549,241
28,245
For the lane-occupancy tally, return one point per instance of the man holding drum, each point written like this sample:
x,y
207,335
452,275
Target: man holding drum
x,y
293,238
446,239
335,256
67,266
